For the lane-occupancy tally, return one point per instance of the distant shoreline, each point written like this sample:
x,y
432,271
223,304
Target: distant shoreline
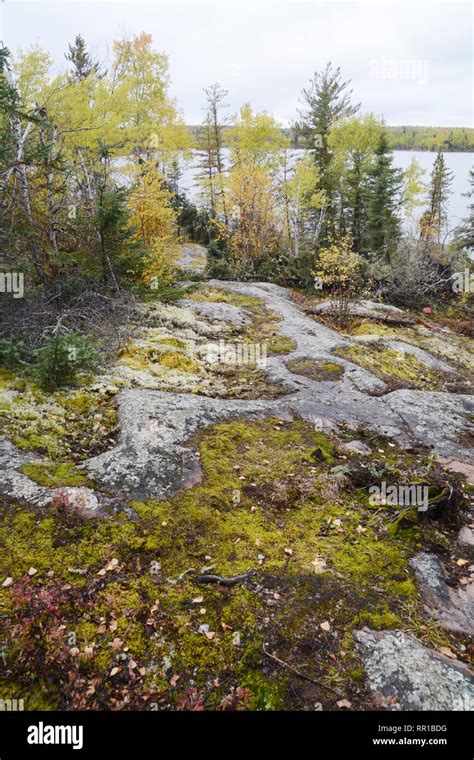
x,y
426,139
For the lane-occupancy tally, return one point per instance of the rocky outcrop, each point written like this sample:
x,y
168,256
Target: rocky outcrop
x,y
154,456
402,674
452,607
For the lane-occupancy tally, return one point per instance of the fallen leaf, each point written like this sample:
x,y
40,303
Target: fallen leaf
x,y
319,564
344,703
462,562
114,671
448,652
210,634
174,680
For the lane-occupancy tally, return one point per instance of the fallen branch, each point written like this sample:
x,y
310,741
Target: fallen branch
x,y
186,572
228,582
298,672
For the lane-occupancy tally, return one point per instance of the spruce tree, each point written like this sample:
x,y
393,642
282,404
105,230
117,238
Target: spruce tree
x,y
83,65
382,228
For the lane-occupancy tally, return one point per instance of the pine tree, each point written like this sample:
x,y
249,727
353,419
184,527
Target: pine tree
x,y
83,65
326,101
382,229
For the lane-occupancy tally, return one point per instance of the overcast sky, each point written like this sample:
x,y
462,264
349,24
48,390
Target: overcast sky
x,y
410,62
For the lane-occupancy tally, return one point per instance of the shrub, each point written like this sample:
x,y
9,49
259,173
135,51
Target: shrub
x,y
411,277
340,268
61,357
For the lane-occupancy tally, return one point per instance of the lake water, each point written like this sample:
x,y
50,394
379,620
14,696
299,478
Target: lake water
x,y
459,163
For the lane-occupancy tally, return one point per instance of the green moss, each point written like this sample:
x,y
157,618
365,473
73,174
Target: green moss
x,y
63,425
81,401
178,361
6,377
32,440
374,328
267,490
215,295
317,370
53,475
379,620
173,342
391,366
265,694
281,344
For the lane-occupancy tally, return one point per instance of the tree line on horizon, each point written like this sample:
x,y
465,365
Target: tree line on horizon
x,y
90,167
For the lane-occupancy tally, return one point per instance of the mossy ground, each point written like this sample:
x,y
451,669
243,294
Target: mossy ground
x,y
318,370
397,369
108,613
69,425
159,360
114,616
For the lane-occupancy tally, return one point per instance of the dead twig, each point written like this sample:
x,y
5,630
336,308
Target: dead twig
x,y
298,672
228,582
